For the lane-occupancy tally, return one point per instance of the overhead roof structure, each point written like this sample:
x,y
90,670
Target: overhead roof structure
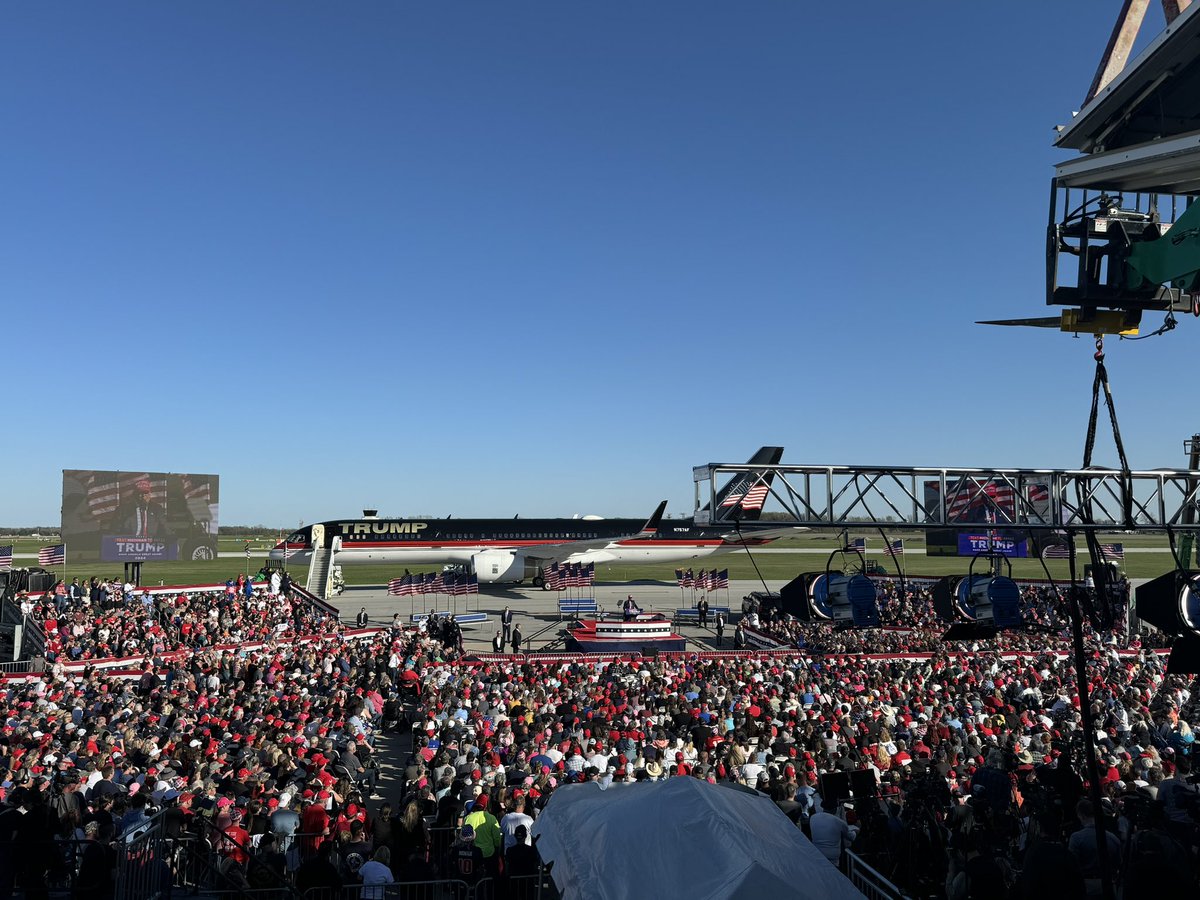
x,y
1141,132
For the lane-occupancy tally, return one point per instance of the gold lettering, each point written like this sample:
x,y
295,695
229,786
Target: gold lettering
x,y
362,527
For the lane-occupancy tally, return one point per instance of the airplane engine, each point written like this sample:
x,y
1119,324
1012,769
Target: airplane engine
x,y
502,566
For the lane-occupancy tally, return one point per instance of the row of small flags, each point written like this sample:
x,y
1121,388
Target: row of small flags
x,y
569,575
451,583
703,581
1063,551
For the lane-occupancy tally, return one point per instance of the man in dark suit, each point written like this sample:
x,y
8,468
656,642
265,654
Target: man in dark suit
x,y
506,619
146,518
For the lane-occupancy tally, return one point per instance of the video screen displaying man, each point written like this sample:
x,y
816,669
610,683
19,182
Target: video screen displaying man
x,y
139,516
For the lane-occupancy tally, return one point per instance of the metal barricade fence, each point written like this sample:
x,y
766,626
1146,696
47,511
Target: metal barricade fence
x,y
873,884
442,889
144,864
520,887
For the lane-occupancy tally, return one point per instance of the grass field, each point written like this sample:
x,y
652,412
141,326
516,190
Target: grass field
x,y
773,566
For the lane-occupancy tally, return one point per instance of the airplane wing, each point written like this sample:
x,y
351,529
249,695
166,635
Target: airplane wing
x,y
559,552
757,535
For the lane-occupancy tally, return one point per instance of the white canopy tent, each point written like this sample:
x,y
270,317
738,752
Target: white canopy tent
x,y
679,838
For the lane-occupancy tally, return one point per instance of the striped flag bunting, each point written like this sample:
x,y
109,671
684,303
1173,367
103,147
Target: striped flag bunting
x,y
1057,551
1062,551
6,557
895,548
53,556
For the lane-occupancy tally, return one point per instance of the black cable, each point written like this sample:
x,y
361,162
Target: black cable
x,y
896,560
737,526
1168,324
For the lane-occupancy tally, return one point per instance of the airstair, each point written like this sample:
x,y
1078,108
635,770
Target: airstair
x,y
318,572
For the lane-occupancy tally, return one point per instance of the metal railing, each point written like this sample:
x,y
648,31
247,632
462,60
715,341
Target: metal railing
x,y
440,889
870,881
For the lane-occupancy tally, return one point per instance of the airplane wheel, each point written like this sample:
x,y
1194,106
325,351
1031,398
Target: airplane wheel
x,y
539,581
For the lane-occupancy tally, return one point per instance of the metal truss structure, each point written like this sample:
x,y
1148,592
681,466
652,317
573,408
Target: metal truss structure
x,y
939,497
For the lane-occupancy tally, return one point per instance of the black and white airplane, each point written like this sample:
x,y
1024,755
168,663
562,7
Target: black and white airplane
x,y
515,550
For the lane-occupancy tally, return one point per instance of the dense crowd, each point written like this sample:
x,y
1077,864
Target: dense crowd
x,y
273,750
104,619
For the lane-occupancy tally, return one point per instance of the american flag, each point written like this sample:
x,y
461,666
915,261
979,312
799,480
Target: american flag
x,y
895,548
689,580
756,496
589,574
1057,551
970,495
105,489
737,490
723,580
53,556
550,576
472,584
1113,551
576,575
1038,493
859,544
437,583
396,586
679,576
6,556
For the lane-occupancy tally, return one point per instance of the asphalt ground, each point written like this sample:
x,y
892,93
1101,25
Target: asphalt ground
x,y
535,609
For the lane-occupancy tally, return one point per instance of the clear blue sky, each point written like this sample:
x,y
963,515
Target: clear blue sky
x,y
487,258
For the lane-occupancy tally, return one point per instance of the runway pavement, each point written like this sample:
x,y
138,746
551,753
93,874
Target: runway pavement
x,y
535,609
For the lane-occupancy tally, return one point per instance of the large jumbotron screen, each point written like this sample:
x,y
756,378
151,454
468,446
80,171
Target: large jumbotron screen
x,y
139,516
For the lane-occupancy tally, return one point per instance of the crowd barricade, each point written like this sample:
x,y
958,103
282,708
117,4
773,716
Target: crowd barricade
x,y
519,887
871,883
130,666
441,889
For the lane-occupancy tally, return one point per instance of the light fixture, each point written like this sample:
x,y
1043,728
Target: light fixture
x,y
978,605
848,601
1171,603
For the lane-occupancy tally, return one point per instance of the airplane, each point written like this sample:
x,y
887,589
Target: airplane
x,y
510,551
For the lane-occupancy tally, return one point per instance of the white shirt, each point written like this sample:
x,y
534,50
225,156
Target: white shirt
x,y
509,824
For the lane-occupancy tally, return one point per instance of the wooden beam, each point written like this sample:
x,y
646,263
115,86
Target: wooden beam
x,y
1172,8
1120,44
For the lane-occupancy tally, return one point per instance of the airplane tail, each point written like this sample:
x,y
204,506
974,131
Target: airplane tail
x,y
748,491
651,526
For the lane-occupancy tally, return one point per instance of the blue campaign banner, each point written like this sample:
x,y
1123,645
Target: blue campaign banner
x,y
971,544
137,549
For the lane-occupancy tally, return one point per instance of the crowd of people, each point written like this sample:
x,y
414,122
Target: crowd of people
x,y
105,619
977,757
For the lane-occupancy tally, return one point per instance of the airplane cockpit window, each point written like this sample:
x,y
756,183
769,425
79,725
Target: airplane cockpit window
x,y
297,537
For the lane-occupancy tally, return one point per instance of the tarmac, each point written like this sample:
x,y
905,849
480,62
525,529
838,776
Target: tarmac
x,y
536,611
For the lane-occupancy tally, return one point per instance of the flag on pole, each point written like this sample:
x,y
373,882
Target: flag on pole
x,y
895,548
6,557
438,584
1057,551
723,580
756,496
396,587
590,574
689,580
550,575
1113,551
859,544
53,556
473,584
679,577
